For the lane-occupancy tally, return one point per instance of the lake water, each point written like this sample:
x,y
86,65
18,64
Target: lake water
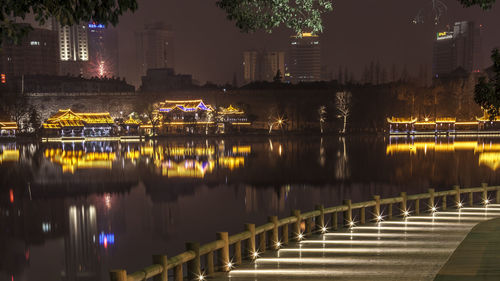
x,y
72,211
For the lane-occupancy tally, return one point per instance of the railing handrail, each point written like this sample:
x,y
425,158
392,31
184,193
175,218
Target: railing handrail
x,y
187,256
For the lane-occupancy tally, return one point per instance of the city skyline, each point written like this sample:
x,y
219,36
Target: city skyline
x,y
211,41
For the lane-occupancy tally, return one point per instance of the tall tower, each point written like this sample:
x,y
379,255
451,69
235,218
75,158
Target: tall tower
x,y
103,50
304,58
262,65
73,49
457,47
155,47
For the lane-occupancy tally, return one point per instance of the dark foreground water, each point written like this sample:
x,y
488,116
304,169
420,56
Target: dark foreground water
x,y
73,211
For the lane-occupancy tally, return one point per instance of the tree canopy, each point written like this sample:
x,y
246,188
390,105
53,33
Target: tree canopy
x,y
249,15
487,92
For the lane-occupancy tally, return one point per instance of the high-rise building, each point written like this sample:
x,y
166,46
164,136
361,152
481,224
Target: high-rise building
x,y
103,51
73,49
37,53
155,47
457,47
304,58
263,65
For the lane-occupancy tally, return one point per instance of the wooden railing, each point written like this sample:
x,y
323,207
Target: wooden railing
x,y
302,224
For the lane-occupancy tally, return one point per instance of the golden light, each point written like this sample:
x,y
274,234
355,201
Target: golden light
x,y
352,224
229,265
486,201
433,209
406,213
324,229
255,255
380,218
201,277
278,244
300,236
460,205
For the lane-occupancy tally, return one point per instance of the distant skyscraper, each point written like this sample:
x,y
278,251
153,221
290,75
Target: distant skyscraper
x,y
37,53
262,65
459,46
73,49
155,47
103,51
304,58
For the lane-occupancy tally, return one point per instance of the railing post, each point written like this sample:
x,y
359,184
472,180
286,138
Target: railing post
x,y
193,266
457,195
210,263
274,233
262,242
161,260
431,198
178,274
403,202
250,241
284,234
335,220
389,215
348,213
485,192
471,198
376,208
118,275
320,221
296,225
362,219
417,207
498,196
237,252
308,226
224,252
444,202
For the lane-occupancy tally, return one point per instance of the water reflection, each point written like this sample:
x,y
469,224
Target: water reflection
x,y
72,211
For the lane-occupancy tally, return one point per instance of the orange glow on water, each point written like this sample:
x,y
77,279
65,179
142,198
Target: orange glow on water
x,y
11,195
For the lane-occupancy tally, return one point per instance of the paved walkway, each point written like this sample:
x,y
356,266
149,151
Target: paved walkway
x,y
411,249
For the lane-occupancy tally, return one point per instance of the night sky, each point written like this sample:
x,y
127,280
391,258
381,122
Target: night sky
x,y
210,47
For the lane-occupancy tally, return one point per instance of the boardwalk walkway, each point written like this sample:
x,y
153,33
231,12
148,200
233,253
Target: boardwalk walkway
x,y
415,248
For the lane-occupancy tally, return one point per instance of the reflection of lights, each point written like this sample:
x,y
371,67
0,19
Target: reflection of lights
x,y
280,150
78,159
107,200
11,195
388,250
46,227
106,238
7,155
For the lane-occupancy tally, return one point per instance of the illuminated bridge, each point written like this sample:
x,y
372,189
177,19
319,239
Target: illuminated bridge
x,y
410,237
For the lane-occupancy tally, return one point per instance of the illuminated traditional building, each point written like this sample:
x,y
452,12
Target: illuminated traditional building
x,y
191,116
8,129
131,126
194,116
68,124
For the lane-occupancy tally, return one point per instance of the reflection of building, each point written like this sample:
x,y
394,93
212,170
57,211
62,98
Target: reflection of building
x,y
67,123
9,154
8,129
35,54
304,58
262,65
81,244
459,47
72,160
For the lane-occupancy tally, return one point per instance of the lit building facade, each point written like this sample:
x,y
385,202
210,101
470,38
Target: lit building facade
x,y
262,65
457,47
73,49
194,116
68,124
103,51
37,53
8,129
155,47
304,58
